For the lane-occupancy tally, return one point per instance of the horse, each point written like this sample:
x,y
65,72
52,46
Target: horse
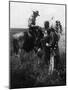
x,y
32,41
27,41
17,41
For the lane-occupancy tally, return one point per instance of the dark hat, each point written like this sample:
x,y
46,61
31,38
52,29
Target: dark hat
x,y
36,13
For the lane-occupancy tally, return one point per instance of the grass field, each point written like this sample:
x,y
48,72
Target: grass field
x,y
30,70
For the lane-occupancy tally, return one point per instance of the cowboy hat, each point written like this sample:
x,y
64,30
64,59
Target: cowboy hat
x,y
36,13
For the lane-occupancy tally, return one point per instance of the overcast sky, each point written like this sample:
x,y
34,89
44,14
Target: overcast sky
x,y
20,13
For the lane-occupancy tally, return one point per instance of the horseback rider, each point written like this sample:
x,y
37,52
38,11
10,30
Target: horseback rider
x,y
32,23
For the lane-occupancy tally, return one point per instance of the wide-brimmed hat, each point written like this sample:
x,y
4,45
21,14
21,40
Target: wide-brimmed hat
x,y
36,13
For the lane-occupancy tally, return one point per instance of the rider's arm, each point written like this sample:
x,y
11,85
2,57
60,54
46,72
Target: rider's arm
x,y
29,21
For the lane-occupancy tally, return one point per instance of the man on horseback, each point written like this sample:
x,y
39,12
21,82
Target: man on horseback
x,y
34,30
32,23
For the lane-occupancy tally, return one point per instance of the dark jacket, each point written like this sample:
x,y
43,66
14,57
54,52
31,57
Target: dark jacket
x,y
52,38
